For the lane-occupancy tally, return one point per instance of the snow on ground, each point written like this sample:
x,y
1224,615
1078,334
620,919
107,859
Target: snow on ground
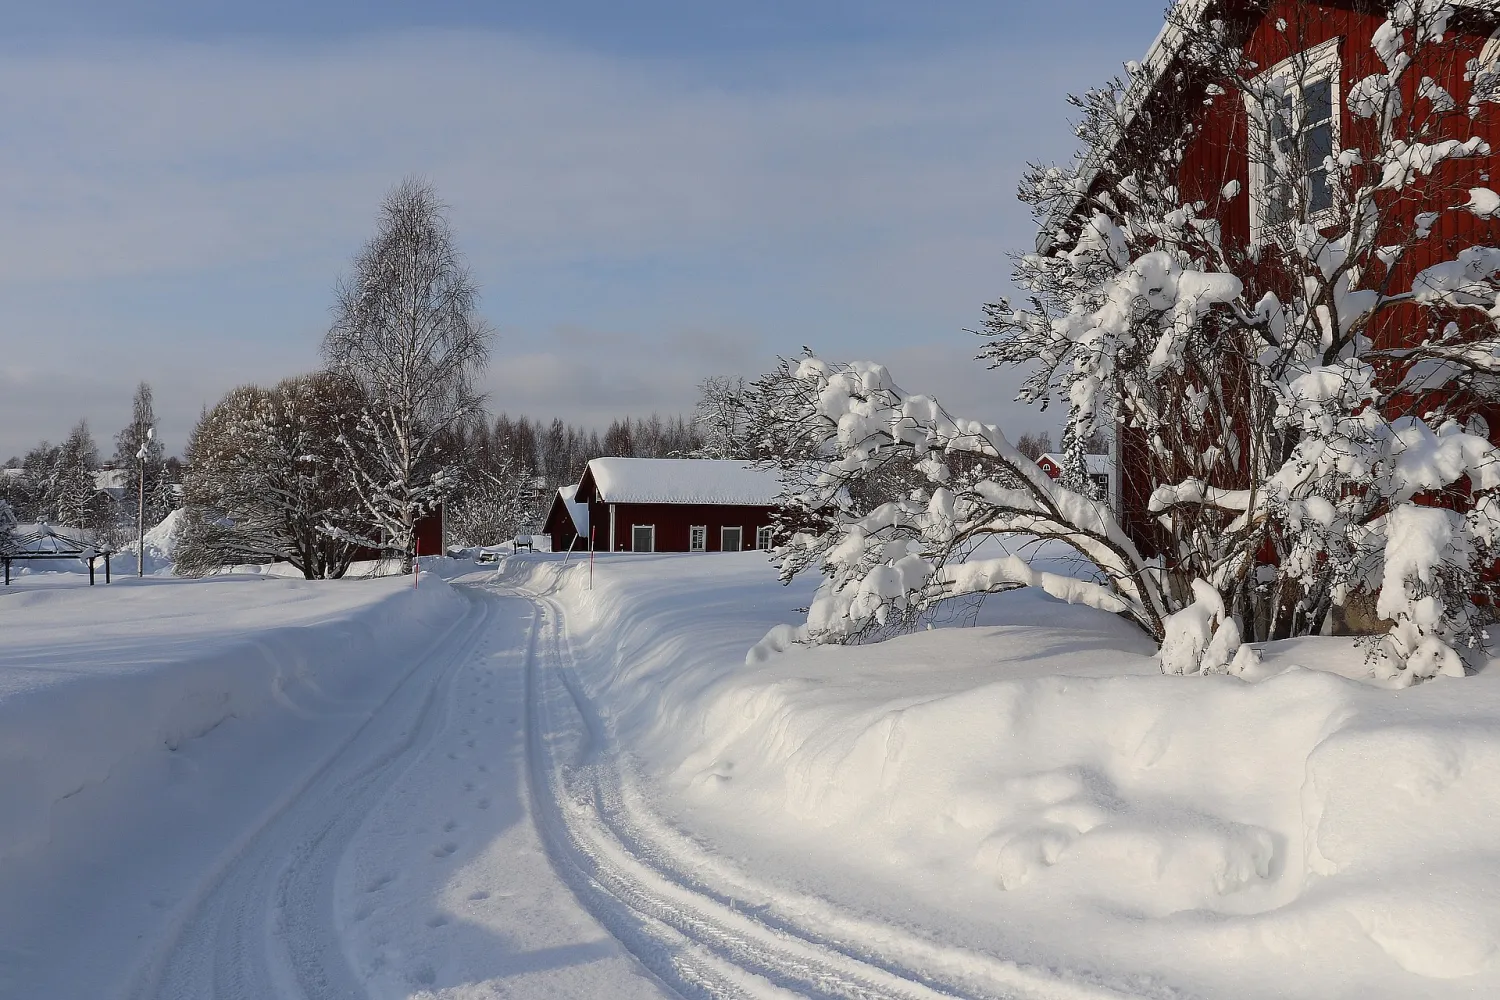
x,y
146,725
1030,800
524,786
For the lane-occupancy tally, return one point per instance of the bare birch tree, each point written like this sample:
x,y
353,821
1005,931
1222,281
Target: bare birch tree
x,y
406,329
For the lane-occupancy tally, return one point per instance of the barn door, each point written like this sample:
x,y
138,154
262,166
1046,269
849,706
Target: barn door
x,y
643,538
732,540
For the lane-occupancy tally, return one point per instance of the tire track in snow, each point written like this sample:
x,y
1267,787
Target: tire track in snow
x,y
698,937
264,926
698,940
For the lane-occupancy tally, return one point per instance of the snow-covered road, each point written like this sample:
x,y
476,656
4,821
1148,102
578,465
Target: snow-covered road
x,y
409,862
476,837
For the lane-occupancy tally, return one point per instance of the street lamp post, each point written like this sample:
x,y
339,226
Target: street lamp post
x,y
140,509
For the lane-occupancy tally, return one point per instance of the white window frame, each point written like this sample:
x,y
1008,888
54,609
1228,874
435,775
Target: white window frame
x,y
738,530
698,538
763,537
1487,65
1310,66
637,527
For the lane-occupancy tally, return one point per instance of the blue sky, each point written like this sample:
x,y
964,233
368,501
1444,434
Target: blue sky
x,y
648,192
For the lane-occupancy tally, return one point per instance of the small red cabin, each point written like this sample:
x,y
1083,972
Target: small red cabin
x,y
676,505
567,521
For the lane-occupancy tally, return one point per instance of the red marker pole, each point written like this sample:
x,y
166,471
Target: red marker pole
x,y
593,538
416,562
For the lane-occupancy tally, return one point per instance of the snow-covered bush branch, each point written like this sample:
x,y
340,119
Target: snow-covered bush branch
x,y
888,496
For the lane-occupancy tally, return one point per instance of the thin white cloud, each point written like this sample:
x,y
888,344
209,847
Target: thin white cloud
x,y
859,206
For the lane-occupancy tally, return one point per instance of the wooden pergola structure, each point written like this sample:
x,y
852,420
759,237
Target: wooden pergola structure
x,y
46,542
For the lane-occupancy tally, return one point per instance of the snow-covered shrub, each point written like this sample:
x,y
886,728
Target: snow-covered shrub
x,y
887,495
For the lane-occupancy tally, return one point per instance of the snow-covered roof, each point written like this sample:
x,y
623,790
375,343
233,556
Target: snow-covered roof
x,y
683,480
1097,465
579,512
43,539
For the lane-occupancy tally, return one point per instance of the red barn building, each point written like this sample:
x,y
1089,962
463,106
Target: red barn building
x,y
674,505
1321,48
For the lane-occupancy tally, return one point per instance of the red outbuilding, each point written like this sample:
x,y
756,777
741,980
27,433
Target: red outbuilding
x,y
567,521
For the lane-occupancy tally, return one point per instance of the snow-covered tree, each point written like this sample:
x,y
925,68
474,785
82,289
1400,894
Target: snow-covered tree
x,y
407,331
495,491
721,419
1307,403
1034,446
71,496
8,524
24,491
268,479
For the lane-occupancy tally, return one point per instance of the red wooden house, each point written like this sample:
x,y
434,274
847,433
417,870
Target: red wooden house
x,y
1320,49
675,505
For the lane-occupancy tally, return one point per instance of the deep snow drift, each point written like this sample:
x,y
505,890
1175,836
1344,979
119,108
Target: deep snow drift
x,y
1034,791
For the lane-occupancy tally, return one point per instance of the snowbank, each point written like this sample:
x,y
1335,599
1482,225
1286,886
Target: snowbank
x,y
160,544
93,679
1033,789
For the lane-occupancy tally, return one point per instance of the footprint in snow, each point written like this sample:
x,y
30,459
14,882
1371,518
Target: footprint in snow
x,y
483,803
381,881
444,850
437,921
477,895
450,826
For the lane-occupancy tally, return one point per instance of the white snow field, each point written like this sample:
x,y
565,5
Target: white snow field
x,y
512,785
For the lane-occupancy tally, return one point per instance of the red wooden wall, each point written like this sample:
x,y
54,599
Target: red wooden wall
x,y
673,520
1219,154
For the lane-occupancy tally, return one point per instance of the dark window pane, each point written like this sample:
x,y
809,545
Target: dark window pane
x,y
1320,192
1319,145
1317,102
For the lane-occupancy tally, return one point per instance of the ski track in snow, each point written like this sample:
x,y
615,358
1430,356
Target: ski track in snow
x,y
270,923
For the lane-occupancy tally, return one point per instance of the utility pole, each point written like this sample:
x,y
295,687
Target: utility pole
x,y
140,510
